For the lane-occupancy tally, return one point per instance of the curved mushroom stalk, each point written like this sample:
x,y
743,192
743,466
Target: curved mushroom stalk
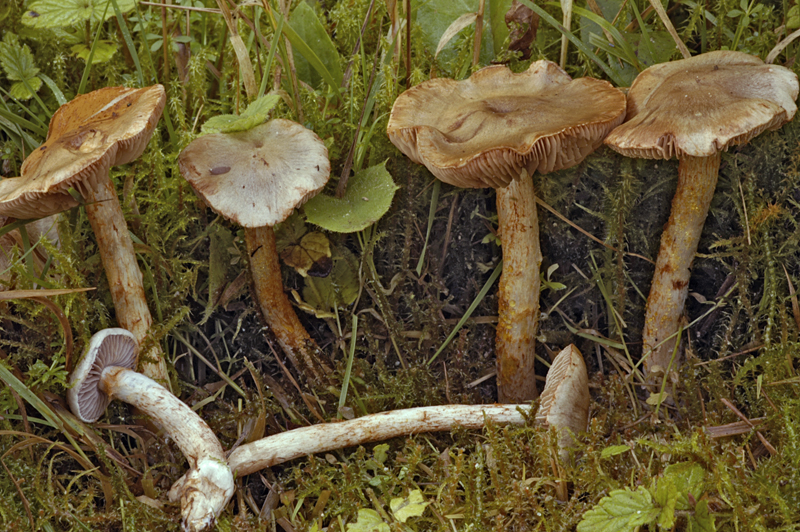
x,y
305,441
104,374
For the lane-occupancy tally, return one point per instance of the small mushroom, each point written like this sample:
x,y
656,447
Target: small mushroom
x,y
105,373
297,443
256,178
87,136
493,130
693,109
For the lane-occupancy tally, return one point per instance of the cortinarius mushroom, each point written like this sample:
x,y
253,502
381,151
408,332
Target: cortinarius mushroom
x,y
493,130
105,373
256,178
86,137
693,109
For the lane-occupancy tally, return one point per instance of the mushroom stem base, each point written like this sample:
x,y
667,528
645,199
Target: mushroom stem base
x,y
518,300
697,179
293,338
122,271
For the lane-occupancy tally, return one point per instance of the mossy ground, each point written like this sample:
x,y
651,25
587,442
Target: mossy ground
x,y
501,478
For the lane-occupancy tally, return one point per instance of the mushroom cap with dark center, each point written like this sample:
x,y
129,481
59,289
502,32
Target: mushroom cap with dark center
x,y
86,137
256,178
484,130
702,105
110,347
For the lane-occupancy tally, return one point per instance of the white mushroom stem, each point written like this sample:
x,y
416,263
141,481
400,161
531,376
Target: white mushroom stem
x,y
697,179
122,271
206,489
305,441
293,338
518,299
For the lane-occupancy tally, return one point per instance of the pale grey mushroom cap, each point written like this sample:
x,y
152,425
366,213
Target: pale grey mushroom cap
x,y
564,402
256,178
109,347
703,105
86,137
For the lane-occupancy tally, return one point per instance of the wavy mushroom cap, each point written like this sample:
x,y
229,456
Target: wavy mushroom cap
x,y
256,178
86,137
109,347
482,131
704,104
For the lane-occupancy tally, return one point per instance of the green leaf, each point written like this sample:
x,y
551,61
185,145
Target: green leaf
x,y
255,114
19,65
369,195
435,16
614,450
381,453
497,22
310,30
622,511
338,289
687,477
368,521
701,520
103,52
412,506
44,14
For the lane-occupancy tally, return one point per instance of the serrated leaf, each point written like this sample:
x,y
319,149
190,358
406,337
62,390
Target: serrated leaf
x,y
44,14
368,521
19,65
614,450
103,51
702,520
687,477
411,506
369,195
309,29
255,114
621,511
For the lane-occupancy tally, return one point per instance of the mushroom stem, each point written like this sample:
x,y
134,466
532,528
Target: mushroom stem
x,y
293,338
697,179
305,441
518,299
122,271
206,489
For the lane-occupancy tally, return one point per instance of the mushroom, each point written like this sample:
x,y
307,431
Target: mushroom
x,y
296,443
105,373
86,137
256,178
493,130
693,109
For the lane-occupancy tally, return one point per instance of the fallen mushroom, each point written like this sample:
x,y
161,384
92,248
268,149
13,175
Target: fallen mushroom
x,y
297,443
256,178
105,373
693,109
86,137
493,130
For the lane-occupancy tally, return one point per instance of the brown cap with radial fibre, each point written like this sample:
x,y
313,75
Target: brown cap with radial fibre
x,y
704,104
482,131
86,137
256,178
109,347
564,402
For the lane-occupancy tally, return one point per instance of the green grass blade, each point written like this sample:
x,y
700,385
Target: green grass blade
x,y
437,186
351,356
126,34
53,88
621,42
271,57
88,68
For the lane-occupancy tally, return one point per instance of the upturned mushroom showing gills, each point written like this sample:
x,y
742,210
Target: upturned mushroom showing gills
x,y
86,137
495,129
105,373
256,178
693,109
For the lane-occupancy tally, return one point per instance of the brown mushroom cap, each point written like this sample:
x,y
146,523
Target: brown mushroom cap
x,y
482,131
109,347
86,137
564,402
704,104
257,177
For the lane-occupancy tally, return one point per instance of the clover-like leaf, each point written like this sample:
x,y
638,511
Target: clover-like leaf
x,y
411,506
369,195
255,114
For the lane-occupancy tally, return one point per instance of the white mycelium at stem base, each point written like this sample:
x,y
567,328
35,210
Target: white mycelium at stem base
x,y
104,373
